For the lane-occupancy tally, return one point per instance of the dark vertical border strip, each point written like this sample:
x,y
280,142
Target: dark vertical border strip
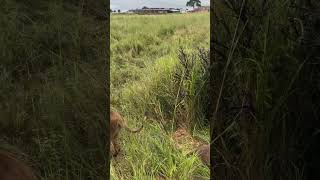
x,y
108,89
211,88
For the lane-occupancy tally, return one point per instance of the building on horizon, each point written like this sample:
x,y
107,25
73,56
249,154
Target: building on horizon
x,y
146,10
201,9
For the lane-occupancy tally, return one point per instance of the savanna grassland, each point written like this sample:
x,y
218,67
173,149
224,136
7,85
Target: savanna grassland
x,y
158,71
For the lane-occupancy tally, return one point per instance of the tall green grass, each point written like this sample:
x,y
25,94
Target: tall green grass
x,y
264,96
53,91
149,79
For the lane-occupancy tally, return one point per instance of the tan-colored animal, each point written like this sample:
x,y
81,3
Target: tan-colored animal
x,y
204,154
14,169
116,123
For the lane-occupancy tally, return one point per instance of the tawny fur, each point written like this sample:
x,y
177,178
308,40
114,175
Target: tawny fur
x,y
116,123
204,154
14,169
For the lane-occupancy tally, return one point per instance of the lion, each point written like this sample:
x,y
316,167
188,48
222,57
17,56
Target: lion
x,y
204,154
14,169
116,123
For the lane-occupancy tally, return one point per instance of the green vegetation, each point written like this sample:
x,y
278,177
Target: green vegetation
x,y
265,84
193,3
158,71
52,87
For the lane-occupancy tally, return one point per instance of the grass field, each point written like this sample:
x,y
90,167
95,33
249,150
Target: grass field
x,y
264,86
53,88
150,77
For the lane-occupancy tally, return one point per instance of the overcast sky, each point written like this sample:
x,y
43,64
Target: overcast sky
x,y
133,4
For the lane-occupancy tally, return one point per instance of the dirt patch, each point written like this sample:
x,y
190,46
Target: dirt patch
x,y
184,141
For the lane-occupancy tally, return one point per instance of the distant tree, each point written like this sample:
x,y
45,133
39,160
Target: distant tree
x,y
193,3
144,7
119,11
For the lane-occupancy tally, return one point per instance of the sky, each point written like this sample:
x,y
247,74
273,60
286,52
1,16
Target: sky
x,y
134,4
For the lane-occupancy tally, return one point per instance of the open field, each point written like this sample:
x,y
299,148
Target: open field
x,y
148,79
